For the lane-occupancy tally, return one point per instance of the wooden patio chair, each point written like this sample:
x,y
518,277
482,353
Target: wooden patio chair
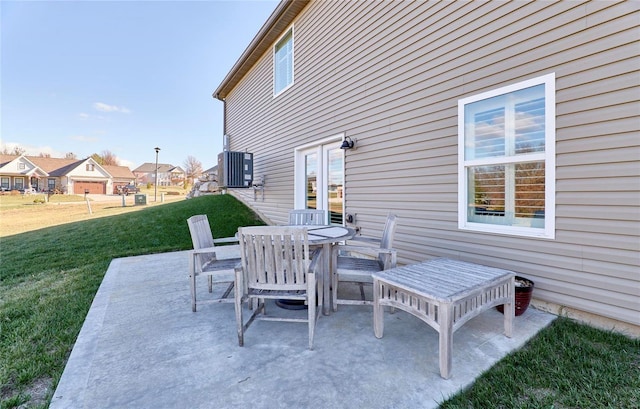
x,y
203,261
355,263
276,264
307,217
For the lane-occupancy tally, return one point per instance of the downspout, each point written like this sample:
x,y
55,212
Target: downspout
x,y
224,121
224,116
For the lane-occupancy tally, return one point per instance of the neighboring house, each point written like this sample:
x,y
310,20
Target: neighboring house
x,y
121,176
17,172
503,133
210,174
168,175
71,176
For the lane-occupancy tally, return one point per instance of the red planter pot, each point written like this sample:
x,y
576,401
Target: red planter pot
x,y
523,296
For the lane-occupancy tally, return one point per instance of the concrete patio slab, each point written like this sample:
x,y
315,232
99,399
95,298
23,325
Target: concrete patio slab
x,y
142,347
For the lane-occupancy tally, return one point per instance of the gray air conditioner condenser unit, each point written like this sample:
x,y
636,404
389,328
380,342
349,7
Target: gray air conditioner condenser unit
x,y
235,169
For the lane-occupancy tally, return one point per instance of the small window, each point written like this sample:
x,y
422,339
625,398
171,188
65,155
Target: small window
x,y
283,63
21,166
4,183
51,184
506,166
90,167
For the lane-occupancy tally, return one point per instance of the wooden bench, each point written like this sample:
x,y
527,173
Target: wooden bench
x,y
445,294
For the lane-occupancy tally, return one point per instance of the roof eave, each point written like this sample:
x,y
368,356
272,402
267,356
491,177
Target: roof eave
x,y
281,18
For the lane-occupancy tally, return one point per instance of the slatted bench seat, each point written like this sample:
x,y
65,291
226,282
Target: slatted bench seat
x,y
445,294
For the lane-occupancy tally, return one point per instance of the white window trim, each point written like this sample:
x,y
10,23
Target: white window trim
x,y
293,61
549,157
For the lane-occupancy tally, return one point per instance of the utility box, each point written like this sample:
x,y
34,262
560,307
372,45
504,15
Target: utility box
x,y
235,169
140,199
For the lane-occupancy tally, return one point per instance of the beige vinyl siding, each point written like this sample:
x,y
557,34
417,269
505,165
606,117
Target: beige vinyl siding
x,y
389,74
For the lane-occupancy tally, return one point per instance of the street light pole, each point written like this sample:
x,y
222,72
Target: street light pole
x,y
155,185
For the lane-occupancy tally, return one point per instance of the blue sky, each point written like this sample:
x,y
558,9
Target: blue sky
x,y
122,76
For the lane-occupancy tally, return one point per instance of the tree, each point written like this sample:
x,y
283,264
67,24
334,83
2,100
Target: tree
x,y
109,158
105,158
44,155
17,150
70,155
97,158
192,168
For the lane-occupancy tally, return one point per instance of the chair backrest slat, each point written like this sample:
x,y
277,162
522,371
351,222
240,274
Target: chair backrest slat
x,y
274,257
307,217
388,234
201,237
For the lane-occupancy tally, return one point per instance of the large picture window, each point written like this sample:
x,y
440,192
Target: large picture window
x,y
506,165
283,63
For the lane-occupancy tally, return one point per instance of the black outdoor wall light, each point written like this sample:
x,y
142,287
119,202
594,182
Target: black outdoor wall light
x,y
347,143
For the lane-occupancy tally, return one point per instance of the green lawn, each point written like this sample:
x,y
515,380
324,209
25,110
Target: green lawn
x,y
567,365
48,278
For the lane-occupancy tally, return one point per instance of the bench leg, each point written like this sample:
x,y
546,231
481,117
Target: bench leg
x,y
510,310
378,317
446,340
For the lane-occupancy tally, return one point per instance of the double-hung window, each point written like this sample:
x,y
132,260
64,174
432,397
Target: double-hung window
x,y
283,63
18,183
506,159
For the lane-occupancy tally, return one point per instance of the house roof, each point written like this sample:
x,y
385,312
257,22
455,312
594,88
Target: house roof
x,y
57,167
162,167
278,22
119,172
33,170
4,159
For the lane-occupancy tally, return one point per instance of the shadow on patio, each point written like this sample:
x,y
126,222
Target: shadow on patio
x,y
141,346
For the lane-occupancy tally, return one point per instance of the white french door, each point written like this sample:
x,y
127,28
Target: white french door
x,y
319,179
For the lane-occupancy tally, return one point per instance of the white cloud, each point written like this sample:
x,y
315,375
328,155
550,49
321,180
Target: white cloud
x,y
82,115
124,162
101,106
82,138
31,150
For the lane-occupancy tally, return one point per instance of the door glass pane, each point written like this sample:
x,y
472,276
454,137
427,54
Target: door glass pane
x,y
335,186
311,176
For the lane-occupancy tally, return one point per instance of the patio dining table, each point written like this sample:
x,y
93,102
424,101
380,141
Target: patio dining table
x,y
327,236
